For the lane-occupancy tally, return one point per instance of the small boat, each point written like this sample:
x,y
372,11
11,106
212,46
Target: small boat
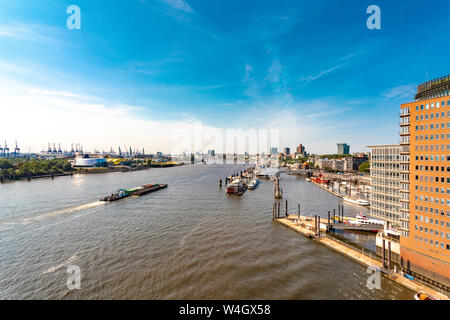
x,y
360,202
236,187
252,184
308,180
422,296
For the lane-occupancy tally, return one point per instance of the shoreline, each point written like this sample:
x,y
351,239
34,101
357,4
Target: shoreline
x,y
99,170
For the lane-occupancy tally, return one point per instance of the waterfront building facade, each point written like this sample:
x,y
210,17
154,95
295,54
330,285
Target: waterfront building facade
x,y
425,181
385,183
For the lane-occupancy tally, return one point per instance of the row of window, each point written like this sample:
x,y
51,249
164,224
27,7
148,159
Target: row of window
x,y
431,210
431,189
431,116
381,210
432,168
432,179
431,137
385,166
432,105
433,221
393,182
384,190
436,243
433,157
432,126
430,147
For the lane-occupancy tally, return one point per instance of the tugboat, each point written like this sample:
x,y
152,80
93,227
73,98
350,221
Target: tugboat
x,y
120,194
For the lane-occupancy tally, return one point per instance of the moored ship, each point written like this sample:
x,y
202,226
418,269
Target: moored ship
x,y
236,187
360,202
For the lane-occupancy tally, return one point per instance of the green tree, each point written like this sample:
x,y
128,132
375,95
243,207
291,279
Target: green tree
x,y
364,167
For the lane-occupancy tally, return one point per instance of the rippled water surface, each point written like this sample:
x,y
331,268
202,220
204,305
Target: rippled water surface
x,y
189,241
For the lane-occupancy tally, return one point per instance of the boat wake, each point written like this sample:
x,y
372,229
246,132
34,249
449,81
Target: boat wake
x,y
65,263
52,214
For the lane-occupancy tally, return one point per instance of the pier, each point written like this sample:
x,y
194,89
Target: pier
x,y
315,230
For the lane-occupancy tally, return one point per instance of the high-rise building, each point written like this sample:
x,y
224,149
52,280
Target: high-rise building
x,y
343,148
425,182
385,183
274,151
287,151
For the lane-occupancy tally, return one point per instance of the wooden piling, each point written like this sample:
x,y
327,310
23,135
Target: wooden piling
x,y
389,255
329,217
334,215
318,225
299,211
286,214
339,213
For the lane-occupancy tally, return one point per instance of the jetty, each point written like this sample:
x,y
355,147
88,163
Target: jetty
x,y
316,230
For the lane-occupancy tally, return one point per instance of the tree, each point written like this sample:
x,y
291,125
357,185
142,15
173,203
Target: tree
x,y
364,167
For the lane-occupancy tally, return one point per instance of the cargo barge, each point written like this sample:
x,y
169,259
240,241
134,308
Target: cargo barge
x,y
138,191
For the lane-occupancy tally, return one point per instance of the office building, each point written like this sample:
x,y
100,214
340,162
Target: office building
x,y
287,151
425,182
343,148
274,151
385,183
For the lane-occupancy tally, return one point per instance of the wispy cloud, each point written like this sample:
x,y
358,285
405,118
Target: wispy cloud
x,y
344,61
400,92
274,72
322,73
180,5
29,32
250,84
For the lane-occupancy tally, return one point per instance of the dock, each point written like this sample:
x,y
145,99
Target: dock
x,y
324,188
308,227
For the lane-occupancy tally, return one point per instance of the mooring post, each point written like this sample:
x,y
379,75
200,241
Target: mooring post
x,y
389,255
314,223
329,216
278,204
286,208
299,211
339,213
342,211
383,257
334,215
220,183
273,211
318,225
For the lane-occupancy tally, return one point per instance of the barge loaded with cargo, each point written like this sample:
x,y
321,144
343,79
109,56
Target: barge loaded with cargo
x,y
138,191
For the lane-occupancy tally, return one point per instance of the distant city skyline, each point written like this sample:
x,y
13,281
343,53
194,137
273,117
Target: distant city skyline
x,y
138,72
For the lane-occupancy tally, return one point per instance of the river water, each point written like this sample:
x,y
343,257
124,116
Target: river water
x,y
189,241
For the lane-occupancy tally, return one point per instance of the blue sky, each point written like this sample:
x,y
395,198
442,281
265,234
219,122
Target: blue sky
x,y
311,69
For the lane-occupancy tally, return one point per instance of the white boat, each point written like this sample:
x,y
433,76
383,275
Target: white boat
x,y
308,180
360,202
252,184
361,219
